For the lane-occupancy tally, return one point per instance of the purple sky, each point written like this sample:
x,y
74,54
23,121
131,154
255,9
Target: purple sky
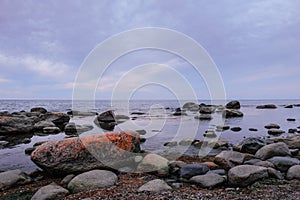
x,y
255,44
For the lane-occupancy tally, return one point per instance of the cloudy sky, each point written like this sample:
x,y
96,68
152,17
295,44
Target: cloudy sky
x,y
255,45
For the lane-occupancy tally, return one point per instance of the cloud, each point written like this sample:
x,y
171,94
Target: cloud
x,y
4,80
40,66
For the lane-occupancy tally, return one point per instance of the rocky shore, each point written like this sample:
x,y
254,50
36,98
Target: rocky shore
x,y
114,166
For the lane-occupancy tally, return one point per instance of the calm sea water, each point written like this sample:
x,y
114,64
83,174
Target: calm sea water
x,y
157,120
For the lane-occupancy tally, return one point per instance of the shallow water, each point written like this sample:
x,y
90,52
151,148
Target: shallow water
x,y
159,123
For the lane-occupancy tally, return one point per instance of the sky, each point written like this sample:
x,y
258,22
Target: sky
x,y
254,44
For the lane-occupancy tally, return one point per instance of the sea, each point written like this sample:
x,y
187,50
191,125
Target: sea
x,y
153,116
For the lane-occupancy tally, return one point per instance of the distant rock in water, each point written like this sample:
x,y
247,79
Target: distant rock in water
x,y
272,126
99,151
39,109
233,105
227,113
267,106
289,106
191,106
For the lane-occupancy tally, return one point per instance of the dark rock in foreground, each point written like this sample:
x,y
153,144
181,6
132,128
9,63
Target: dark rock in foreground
x,y
78,154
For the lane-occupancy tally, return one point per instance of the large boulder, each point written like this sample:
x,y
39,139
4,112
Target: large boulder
x,y
12,178
244,175
283,163
50,192
293,172
86,153
251,145
154,163
92,180
156,185
233,105
227,113
208,180
275,149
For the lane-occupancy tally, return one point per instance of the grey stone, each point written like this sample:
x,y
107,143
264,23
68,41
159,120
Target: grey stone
x,y
245,175
13,178
189,170
92,180
251,145
232,156
67,179
50,192
293,172
154,163
252,161
156,185
227,113
233,105
39,126
272,125
208,180
273,173
265,164
275,149
283,163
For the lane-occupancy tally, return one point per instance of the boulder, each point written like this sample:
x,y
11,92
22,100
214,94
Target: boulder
x,y
208,180
156,185
86,153
232,156
204,117
50,192
94,179
292,142
59,119
191,106
233,105
51,130
283,163
189,170
39,110
275,149
272,126
293,172
19,124
274,131
154,163
273,173
227,113
244,175
207,109
251,145
267,106
12,178
106,120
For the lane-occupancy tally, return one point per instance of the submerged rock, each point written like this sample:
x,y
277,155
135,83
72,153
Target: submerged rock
x,y
85,153
267,106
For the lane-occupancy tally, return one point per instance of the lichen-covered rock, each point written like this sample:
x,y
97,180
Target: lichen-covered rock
x,y
86,153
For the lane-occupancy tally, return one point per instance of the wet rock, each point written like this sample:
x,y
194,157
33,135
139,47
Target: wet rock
x,y
12,178
267,106
208,180
293,172
207,109
26,140
291,119
251,145
191,106
17,124
272,126
39,110
245,175
271,150
155,164
83,154
121,118
92,180
50,192
170,144
222,128
137,113
156,185
204,117
232,156
289,106
233,105
51,130
283,163
73,129
236,129
274,131
232,113
29,150
106,120
59,119
292,130
189,170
